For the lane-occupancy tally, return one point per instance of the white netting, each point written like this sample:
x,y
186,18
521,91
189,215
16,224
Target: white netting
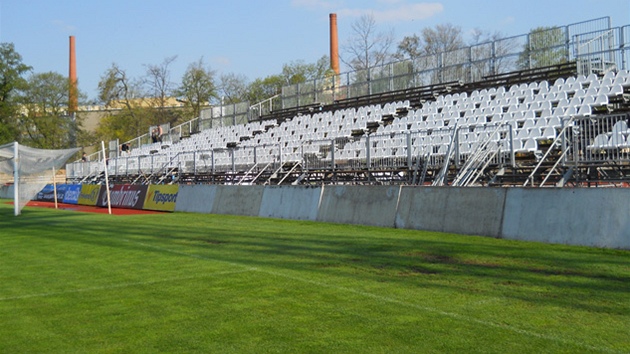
x,y
35,169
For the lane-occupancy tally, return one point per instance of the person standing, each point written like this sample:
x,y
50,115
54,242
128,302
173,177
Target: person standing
x,y
159,133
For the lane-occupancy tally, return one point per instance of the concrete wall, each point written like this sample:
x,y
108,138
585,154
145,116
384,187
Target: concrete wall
x,y
6,191
294,203
238,200
364,205
196,198
590,217
597,217
473,211
220,199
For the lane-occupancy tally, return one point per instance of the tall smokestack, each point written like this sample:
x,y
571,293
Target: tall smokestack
x,y
73,96
334,45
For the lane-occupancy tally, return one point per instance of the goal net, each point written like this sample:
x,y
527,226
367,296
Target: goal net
x,y
29,169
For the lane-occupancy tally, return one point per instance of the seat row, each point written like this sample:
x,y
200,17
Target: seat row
x,y
535,112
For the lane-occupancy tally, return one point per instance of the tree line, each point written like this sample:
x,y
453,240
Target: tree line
x,y
33,106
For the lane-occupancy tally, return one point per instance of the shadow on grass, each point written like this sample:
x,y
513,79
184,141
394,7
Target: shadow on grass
x,y
589,279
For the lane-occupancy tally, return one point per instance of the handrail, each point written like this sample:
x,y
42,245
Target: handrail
x,y
556,140
247,173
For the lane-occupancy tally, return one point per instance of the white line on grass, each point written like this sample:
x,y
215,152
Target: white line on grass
x,y
118,286
395,301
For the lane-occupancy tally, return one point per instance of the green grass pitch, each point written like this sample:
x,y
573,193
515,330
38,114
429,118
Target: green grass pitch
x,y
189,283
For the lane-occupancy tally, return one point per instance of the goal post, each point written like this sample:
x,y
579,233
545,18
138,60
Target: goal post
x,y
30,169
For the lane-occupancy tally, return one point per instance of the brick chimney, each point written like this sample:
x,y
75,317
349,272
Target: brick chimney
x,y
73,95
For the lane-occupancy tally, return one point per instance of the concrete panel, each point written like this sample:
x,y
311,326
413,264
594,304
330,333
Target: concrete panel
x,y
6,191
578,216
294,203
196,198
238,200
472,211
363,205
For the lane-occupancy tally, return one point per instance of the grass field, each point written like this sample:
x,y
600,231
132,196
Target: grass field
x,y
92,283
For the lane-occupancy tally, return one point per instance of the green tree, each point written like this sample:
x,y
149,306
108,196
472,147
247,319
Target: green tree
x,y
45,122
298,71
11,81
262,89
197,88
125,125
545,46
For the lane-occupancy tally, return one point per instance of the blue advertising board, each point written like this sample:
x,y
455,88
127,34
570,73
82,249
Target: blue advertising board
x,y
73,191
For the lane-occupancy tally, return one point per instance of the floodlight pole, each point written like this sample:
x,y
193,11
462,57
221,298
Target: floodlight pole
x,y
109,204
16,179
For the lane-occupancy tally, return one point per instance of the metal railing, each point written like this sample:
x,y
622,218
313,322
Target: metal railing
x,y
587,141
585,42
598,140
373,152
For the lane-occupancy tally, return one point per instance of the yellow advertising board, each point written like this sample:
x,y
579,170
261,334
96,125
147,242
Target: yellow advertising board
x,y
89,194
161,197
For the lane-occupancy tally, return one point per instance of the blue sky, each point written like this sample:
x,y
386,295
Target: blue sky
x,y
253,38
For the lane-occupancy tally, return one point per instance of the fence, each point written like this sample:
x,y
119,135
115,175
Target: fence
x,y
593,44
599,140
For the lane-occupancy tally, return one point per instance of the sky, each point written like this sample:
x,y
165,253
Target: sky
x,y
254,38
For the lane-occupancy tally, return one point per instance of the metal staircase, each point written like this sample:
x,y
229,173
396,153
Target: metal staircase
x,y
442,177
479,160
561,142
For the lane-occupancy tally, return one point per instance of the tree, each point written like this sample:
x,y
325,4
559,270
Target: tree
x,y
441,49
117,90
435,48
262,89
11,81
233,88
408,48
367,47
441,39
46,123
545,46
197,87
298,71
122,126
160,88
490,53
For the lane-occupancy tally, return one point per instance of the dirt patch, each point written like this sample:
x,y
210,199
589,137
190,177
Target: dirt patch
x,y
432,257
90,209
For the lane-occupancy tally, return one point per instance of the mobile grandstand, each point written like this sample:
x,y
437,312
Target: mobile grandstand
x,y
477,116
